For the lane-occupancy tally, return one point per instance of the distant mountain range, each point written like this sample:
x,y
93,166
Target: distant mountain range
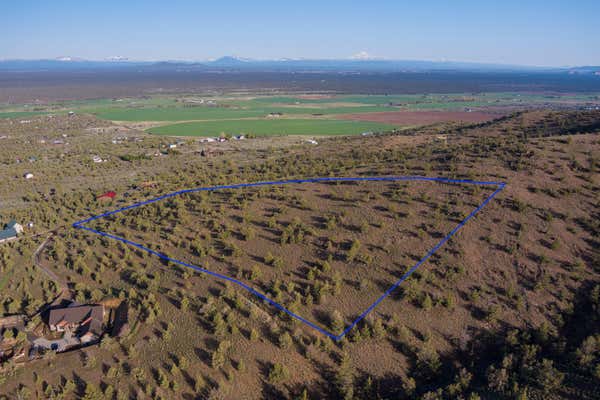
x,y
230,63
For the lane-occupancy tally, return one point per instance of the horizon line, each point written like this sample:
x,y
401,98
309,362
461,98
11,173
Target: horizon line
x,y
125,60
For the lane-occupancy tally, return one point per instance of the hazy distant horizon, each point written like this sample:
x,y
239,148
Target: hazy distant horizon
x,y
75,58
533,33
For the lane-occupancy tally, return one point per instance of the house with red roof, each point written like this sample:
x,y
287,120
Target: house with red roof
x,y
107,196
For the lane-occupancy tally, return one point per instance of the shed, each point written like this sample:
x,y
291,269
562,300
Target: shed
x,y
15,226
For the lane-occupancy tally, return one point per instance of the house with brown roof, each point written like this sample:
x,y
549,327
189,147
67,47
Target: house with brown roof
x,y
84,320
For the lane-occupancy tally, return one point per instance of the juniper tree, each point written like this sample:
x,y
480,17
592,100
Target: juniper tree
x,y
285,340
353,251
218,356
336,321
344,378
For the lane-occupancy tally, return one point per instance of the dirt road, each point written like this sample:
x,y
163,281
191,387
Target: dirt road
x,y
36,261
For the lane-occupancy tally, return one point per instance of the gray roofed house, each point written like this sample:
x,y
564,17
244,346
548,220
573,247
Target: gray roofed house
x,y
10,231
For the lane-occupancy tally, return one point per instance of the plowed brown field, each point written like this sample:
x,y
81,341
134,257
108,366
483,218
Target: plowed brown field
x,y
422,117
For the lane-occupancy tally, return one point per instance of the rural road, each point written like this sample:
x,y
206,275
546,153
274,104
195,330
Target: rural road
x,y
38,264
62,289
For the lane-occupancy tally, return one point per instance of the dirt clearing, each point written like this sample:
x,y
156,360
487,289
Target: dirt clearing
x,y
422,117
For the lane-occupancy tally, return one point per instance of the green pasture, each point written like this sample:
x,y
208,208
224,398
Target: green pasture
x,y
173,108
219,113
20,114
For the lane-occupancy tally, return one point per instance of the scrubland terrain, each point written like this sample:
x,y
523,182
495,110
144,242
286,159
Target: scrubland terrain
x,y
508,308
327,251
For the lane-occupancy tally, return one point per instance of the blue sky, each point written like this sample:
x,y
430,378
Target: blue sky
x,y
528,32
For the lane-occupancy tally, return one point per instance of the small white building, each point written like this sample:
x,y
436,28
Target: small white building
x,y
28,175
16,226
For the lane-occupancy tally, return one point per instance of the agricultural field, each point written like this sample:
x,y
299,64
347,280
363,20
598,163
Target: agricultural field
x,y
300,114
508,308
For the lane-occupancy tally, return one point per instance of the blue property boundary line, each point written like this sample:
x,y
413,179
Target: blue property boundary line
x,y
500,187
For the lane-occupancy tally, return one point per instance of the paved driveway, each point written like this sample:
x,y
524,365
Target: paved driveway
x,y
57,345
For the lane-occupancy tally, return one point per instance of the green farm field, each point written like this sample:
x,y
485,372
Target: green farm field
x,y
18,114
293,114
219,113
263,127
188,107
